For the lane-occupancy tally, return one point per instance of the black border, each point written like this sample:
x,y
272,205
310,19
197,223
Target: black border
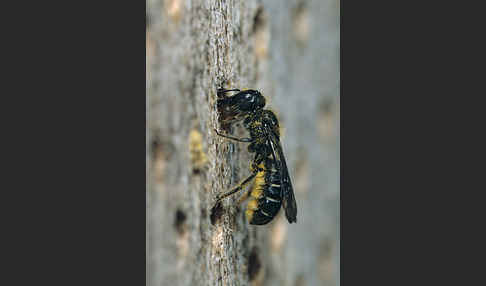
x,y
408,131
79,202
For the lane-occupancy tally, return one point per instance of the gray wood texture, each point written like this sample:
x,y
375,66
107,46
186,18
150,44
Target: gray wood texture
x,y
289,50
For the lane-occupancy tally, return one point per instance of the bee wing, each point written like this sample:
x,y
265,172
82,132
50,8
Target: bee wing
x,y
288,202
229,111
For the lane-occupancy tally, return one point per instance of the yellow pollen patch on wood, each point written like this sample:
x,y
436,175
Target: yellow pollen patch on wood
x,y
197,155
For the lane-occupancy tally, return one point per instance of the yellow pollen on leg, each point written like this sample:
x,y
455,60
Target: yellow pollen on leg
x,y
257,193
259,179
249,215
261,166
257,185
252,205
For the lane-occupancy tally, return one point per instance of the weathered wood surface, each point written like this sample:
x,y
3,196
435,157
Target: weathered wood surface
x,y
289,50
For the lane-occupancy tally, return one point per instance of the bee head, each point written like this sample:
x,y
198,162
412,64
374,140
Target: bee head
x,y
250,100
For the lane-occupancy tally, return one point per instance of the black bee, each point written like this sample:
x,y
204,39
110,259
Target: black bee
x,y
272,186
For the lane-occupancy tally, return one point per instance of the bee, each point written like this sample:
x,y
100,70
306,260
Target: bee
x,y
272,186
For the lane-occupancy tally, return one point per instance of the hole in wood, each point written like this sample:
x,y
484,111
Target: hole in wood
x,y
254,264
216,213
154,147
258,20
179,220
261,33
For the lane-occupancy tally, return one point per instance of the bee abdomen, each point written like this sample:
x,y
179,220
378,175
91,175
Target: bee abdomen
x,y
266,212
264,209
265,200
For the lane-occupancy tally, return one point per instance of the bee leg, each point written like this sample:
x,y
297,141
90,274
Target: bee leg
x,y
244,197
247,140
238,188
254,170
254,165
